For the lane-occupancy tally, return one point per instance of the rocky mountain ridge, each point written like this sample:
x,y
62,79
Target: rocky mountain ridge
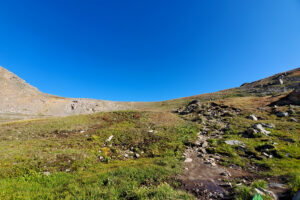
x,y
18,98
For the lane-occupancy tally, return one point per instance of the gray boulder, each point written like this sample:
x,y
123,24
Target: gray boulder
x,y
260,129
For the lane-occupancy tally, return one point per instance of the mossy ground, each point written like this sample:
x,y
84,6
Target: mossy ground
x,y
285,137
83,164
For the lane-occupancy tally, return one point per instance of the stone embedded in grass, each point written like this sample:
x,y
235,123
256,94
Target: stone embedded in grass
x,y
263,191
277,185
225,173
109,138
260,129
234,142
267,155
188,160
251,133
137,155
282,114
252,117
293,119
268,125
47,173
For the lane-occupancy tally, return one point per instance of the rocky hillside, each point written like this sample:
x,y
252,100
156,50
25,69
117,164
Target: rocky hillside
x,y
19,99
230,144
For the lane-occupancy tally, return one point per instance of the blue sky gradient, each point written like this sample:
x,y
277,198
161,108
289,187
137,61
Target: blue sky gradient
x,y
138,50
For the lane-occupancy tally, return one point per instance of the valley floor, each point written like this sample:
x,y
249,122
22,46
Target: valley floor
x,y
205,150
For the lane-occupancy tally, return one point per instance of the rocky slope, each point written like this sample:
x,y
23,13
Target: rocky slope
x,y
19,99
233,144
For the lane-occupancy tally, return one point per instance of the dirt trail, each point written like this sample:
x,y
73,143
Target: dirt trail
x,y
203,177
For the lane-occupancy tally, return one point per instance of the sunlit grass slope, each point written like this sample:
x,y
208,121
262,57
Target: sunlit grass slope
x,y
74,158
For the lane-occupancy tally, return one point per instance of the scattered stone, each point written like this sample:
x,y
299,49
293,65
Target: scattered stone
x,y
109,138
267,155
210,162
225,173
191,107
137,155
47,173
251,133
263,191
270,126
203,151
226,185
188,160
293,119
204,144
277,185
252,117
234,142
282,114
280,81
261,129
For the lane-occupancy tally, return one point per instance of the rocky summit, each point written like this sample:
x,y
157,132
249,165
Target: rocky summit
x,y
231,144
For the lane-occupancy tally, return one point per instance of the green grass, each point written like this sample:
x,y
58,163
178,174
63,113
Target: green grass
x,y
84,165
285,137
247,192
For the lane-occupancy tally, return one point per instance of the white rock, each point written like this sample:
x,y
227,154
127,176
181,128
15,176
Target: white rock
x,y
47,173
253,117
234,142
261,129
137,155
188,160
110,138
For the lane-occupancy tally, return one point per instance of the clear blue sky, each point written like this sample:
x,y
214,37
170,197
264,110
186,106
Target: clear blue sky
x,y
147,50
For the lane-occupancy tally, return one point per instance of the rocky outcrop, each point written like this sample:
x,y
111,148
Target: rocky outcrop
x,y
19,98
291,99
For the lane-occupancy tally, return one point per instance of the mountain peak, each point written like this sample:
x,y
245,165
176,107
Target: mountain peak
x,y
10,83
